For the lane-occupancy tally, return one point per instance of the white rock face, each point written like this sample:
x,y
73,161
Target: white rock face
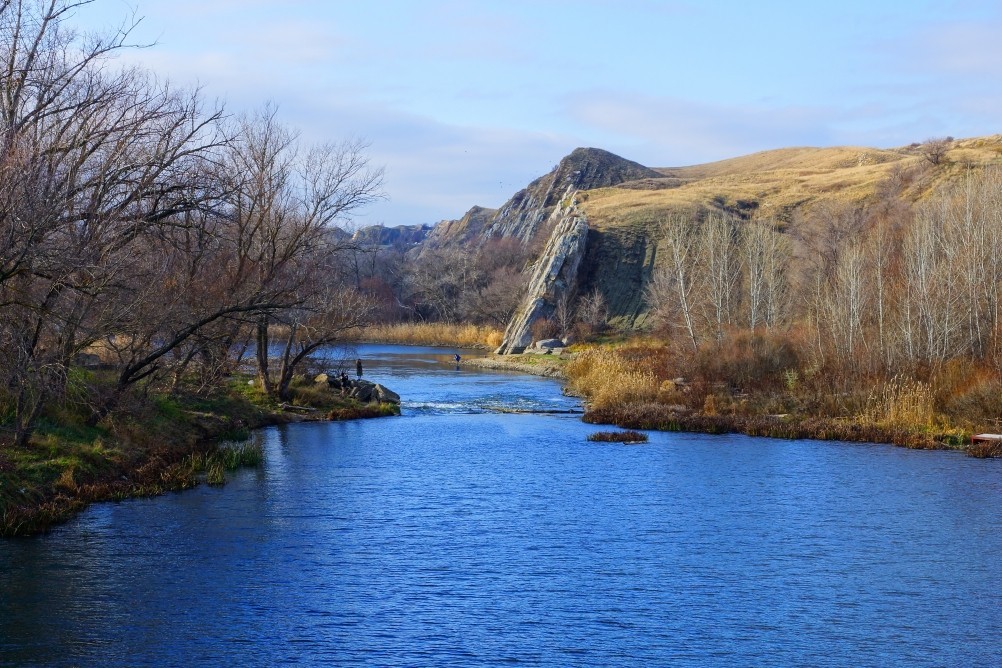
x,y
554,276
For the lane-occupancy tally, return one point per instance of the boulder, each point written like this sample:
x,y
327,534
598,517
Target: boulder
x,y
322,379
386,395
550,343
363,391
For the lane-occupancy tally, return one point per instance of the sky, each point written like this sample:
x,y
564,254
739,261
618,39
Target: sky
x,y
464,103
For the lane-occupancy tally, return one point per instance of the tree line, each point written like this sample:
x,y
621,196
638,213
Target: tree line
x,y
146,232
886,286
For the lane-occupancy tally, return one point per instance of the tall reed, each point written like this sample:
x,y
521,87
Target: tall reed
x,y
434,334
605,379
901,403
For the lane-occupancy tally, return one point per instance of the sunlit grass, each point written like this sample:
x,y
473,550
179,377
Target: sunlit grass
x,y
435,334
606,380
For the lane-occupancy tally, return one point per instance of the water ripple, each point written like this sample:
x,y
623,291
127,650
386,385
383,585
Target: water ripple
x,y
458,535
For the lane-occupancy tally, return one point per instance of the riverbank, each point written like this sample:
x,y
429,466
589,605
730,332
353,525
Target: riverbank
x,y
162,444
548,366
642,386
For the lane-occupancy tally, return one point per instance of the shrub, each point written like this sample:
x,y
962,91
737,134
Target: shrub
x,y
544,328
748,360
618,437
985,449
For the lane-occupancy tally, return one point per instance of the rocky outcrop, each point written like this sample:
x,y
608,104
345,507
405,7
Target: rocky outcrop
x,y
618,264
524,215
385,395
363,391
584,169
401,236
554,277
462,231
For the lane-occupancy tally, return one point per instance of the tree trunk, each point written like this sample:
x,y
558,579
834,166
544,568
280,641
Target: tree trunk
x,y
262,354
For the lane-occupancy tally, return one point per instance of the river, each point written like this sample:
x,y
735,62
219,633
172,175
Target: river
x,y
461,535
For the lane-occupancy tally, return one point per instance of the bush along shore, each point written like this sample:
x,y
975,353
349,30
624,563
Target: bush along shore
x,y
154,445
635,386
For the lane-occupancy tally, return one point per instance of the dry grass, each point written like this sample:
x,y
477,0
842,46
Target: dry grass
x,y
900,403
606,379
985,449
631,386
781,180
618,437
663,418
435,334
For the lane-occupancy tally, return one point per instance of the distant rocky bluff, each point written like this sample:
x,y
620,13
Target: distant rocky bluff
x,y
596,215
547,206
523,215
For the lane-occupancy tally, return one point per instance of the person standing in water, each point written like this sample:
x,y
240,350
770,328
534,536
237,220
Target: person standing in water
x,y
358,368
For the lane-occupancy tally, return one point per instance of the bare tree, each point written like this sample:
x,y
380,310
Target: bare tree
x,y
593,310
286,201
323,320
935,150
563,313
844,303
766,255
93,161
719,265
673,283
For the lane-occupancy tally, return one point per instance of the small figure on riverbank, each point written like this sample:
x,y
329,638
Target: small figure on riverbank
x,y
358,368
344,382
457,361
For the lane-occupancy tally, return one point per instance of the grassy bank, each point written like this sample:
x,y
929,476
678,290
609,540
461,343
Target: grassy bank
x,y
434,334
147,447
645,385
549,366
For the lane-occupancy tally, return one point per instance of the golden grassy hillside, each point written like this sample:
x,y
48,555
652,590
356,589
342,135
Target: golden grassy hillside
x,y
776,183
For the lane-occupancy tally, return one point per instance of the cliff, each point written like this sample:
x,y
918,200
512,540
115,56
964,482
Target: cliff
x,y
553,278
401,236
465,230
523,215
623,203
583,169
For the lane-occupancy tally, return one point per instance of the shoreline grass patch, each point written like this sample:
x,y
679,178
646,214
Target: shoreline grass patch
x,y
167,443
435,334
618,437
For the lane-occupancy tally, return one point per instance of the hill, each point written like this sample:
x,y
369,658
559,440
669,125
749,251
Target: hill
x,y
783,182
522,216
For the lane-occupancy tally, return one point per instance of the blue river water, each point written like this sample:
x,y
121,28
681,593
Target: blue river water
x,y
461,535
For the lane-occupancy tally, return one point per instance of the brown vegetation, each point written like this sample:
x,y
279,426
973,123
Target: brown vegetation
x,y
147,237
434,334
618,437
744,385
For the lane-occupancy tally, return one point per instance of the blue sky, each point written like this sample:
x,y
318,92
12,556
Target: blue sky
x,y
464,103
